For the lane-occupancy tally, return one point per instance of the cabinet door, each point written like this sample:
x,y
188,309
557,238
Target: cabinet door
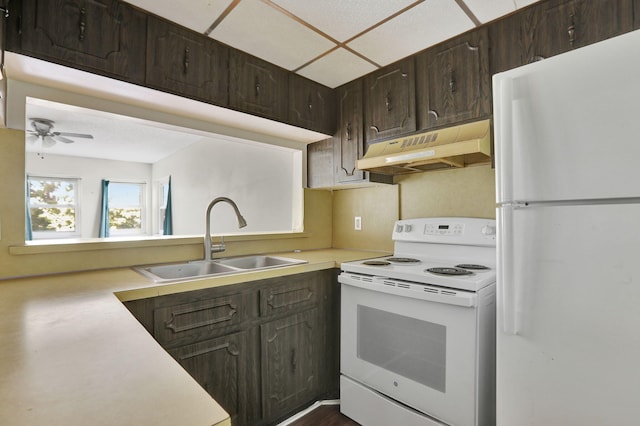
x,y
258,87
186,63
505,38
389,97
453,81
103,36
219,366
320,164
557,26
198,320
349,142
289,363
311,105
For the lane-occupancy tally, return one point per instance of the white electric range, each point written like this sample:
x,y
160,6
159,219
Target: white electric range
x,y
418,327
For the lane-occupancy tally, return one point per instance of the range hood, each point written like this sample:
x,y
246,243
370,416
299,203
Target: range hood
x,y
451,147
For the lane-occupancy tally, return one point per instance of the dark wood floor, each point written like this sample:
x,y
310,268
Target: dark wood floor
x,y
325,415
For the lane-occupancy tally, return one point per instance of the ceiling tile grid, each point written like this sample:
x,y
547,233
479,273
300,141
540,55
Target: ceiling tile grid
x,y
260,30
331,41
424,25
343,20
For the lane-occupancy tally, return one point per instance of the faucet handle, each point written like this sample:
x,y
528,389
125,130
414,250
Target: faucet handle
x,y
217,248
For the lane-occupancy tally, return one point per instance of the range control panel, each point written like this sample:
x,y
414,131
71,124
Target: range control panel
x,y
444,229
447,230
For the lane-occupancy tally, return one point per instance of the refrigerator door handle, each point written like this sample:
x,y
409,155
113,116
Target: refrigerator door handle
x,y
503,134
509,298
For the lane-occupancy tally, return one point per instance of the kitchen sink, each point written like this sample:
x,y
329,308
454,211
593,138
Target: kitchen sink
x,y
203,269
258,262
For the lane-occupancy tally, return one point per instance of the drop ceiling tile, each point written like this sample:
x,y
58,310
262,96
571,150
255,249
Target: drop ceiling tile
x,y
337,68
426,24
260,30
197,15
341,19
487,11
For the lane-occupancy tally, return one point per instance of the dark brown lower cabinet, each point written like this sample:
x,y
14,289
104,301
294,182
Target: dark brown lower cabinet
x,y
289,370
219,365
258,347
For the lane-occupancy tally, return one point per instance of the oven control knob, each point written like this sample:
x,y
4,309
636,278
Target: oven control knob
x,y
488,230
407,228
399,228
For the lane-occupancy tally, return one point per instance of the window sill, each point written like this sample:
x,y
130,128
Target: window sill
x,y
114,243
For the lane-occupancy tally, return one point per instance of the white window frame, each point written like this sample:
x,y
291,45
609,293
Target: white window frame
x,y
49,235
144,209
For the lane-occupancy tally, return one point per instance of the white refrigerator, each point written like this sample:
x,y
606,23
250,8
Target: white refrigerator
x,y
567,145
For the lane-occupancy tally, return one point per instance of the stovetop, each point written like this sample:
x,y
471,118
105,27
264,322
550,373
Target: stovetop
x,y
449,252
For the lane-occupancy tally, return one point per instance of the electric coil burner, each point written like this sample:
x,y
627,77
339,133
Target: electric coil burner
x,y
416,327
403,260
449,271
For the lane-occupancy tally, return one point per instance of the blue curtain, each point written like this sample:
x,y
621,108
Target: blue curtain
x,y
167,226
28,231
104,211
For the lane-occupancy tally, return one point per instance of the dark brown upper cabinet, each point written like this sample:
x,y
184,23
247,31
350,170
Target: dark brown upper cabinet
x,y
186,63
349,140
3,26
102,36
556,26
258,87
389,96
311,105
453,82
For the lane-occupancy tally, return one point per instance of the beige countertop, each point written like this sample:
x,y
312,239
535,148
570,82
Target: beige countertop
x,y
72,354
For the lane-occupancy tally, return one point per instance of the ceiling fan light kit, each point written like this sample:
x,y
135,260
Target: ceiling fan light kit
x,y
42,130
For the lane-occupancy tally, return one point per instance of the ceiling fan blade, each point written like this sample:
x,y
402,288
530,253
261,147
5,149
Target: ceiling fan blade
x,y
48,141
73,135
59,138
32,138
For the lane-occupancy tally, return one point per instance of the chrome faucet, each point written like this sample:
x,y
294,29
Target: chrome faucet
x,y
208,249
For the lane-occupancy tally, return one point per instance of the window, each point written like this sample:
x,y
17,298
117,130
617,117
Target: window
x,y
53,205
126,208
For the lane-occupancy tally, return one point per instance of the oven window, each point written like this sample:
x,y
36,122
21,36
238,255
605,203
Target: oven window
x,y
410,347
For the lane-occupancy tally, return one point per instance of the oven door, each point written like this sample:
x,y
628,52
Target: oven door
x,y
422,353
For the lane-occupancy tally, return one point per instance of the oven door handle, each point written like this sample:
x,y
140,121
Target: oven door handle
x,y
405,289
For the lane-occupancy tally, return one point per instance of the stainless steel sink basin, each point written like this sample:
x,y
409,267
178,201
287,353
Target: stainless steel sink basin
x,y
259,262
202,269
184,270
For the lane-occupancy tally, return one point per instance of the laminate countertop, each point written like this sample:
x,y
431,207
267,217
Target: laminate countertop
x,y
72,354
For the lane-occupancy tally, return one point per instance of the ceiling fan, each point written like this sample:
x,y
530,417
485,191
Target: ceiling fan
x,y
42,130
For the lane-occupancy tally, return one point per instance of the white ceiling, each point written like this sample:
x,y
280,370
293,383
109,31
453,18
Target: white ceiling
x,y
331,41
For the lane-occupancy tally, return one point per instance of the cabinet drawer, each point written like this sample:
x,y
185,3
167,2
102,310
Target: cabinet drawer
x,y
290,297
198,320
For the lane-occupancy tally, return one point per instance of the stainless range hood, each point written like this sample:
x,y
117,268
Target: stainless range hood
x,y
451,147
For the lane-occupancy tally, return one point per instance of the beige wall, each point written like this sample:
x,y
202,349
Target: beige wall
x,y
456,192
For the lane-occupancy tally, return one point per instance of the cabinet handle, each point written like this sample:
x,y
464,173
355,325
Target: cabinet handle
x,y
387,102
434,113
83,23
185,63
452,82
294,361
348,131
309,104
571,30
257,87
